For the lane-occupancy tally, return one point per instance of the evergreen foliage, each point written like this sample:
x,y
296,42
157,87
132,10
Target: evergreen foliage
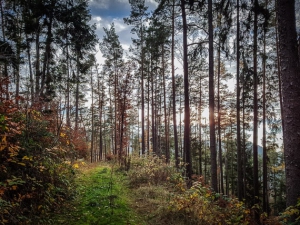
x,y
237,60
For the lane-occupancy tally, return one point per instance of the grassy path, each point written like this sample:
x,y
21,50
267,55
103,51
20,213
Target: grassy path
x,y
157,195
102,199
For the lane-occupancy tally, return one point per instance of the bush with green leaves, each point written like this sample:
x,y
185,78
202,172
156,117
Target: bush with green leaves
x,y
291,213
199,205
34,180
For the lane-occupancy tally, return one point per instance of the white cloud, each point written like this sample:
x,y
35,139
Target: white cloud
x,y
151,3
97,20
102,4
119,25
125,47
104,12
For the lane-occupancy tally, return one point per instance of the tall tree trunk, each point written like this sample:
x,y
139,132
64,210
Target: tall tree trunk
x,y
278,68
154,147
255,117
100,100
205,150
264,139
158,112
200,128
226,164
174,89
180,126
5,72
290,78
244,139
123,110
232,160
92,109
142,90
17,69
116,106
187,131
68,120
45,76
238,109
31,81
148,111
167,151
37,64
213,152
138,130
219,124
77,93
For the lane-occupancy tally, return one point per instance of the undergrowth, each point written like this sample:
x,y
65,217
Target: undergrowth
x,y
35,179
291,212
102,199
162,196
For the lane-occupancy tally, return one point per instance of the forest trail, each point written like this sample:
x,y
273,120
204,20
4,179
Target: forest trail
x,y
151,192
102,199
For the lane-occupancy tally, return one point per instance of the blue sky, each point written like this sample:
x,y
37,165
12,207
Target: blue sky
x,y
104,12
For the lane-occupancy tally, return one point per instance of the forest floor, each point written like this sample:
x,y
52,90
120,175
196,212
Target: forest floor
x,y
108,195
103,198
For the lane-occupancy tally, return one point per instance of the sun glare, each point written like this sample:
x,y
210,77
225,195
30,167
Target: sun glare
x,y
205,115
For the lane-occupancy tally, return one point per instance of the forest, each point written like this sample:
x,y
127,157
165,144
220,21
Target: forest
x,y
204,106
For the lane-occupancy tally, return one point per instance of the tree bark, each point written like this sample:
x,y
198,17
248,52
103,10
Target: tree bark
x,y
37,64
221,187
31,80
187,144
278,67
238,109
77,93
290,80
173,89
213,152
255,114
142,95
200,129
92,109
116,152
100,100
5,72
264,140
167,150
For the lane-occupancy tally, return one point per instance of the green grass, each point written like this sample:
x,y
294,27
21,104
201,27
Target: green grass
x,y
102,199
108,196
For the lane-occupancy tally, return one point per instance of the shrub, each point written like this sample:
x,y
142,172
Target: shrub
x,y
150,170
291,213
163,192
199,205
34,181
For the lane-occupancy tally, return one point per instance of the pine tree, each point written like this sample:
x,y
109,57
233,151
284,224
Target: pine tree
x,y
137,18
290,79
187,128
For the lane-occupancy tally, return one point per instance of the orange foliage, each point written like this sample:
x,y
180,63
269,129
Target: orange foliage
x,y
33,179
80,144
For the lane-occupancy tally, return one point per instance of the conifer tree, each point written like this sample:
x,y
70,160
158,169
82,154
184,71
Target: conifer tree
x,y
290,80
137,18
